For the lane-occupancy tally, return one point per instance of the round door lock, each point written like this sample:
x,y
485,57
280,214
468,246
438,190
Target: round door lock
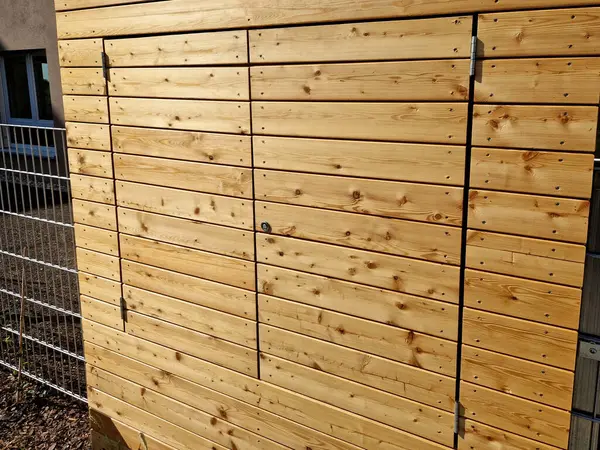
x,y
266,227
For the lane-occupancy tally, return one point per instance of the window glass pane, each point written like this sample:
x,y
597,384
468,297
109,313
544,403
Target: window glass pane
x,y
18,87
42,86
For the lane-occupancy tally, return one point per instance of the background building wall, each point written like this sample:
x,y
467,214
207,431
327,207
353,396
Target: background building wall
x,y
31,25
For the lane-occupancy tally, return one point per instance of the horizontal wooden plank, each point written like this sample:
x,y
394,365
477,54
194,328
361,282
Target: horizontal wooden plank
x,y
433,354
397,237
94,214
186,145
184,340
90,162
543,217
188,15
207,83
541,80
209,208
100,264
155,17
446,80
444,123
211,427
422,278
109,433
523,417
92,188
82,81
534,172
568,128
309,412
421,202
447,37
85,108
240,413
210,266
538,259
189,233
101,312
88,136
526,299
62,5
514,376
392,308
223,47
99,288
477,436
97,239
80,53
380,373
545,33
440,164
196,115
211,178
520,338
146,422
189,315
428,422
265,12
195,290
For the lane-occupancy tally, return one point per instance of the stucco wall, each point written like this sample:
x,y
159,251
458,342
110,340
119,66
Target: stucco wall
x,y
28,25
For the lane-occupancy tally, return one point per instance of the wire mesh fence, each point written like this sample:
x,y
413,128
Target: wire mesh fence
x,y
39,293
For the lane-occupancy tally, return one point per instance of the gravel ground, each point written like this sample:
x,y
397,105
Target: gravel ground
x,y
43,420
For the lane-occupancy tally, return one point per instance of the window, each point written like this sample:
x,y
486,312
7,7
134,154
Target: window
x,y
25,95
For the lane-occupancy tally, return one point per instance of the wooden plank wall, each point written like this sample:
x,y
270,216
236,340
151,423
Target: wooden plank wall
x,y
322,227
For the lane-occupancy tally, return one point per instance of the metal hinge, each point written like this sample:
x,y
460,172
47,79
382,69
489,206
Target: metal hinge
x,y
456,417
123,306
473,55
104,68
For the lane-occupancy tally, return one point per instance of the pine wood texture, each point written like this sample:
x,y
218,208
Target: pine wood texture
x,y
94,214
567,128
210,83
189,233
211,178
195,115
80,53
90,162
210,208
526,299
544,33
396,237
79,108
446,37
92,189
403,81
99,288
413,122
276,191
186,145
83,81
406,275
546,217
541,80
223,47
533,172
438,164
420,202
88,136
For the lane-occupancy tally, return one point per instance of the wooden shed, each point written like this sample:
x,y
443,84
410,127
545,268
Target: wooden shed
x,y
331,224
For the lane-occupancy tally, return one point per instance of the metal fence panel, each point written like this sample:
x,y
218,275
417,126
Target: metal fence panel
x,y
37,258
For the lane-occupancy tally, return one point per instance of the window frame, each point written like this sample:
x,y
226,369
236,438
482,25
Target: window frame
x,y
35,121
